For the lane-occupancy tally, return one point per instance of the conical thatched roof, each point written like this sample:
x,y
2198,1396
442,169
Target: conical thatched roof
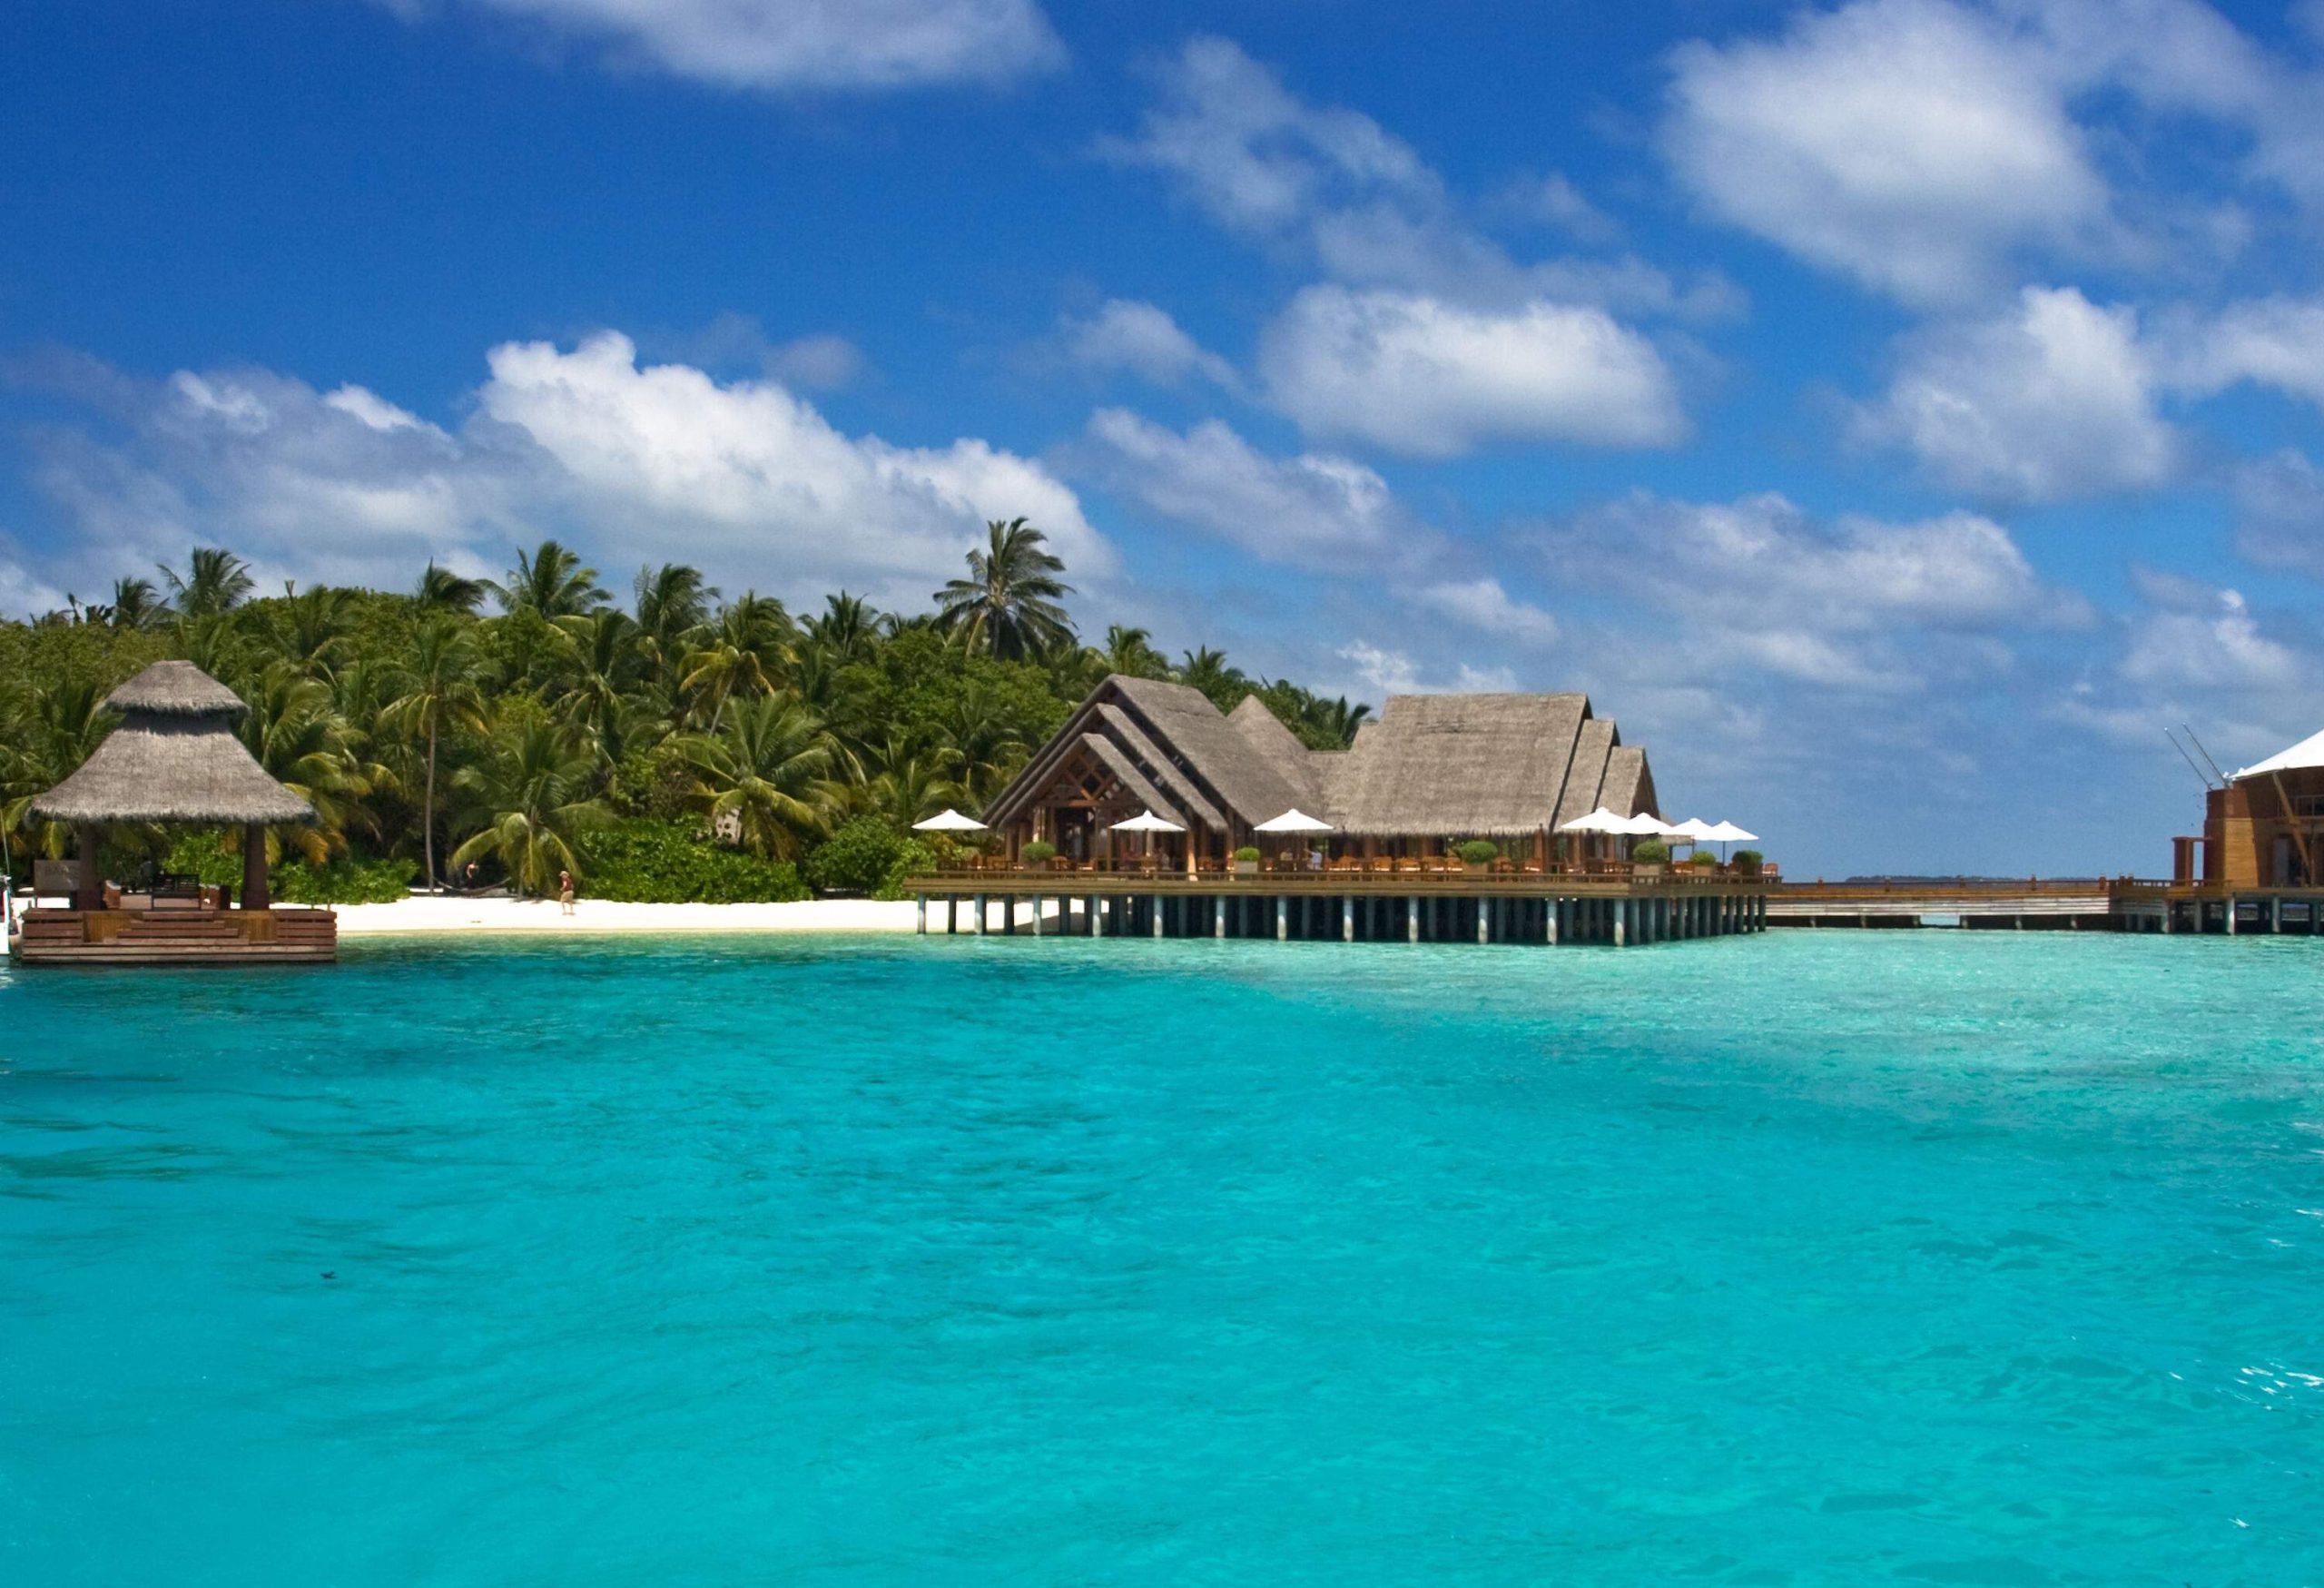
x,y
175,689
174,758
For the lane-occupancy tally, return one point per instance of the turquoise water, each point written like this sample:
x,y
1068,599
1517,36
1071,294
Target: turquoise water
x,y
1811,1258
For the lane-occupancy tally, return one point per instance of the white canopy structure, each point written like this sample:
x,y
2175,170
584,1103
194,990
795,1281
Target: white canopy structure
x,y
1729,833
1695,830
1147,822
2308,752
1294,820
949,820
1645,826
1601,820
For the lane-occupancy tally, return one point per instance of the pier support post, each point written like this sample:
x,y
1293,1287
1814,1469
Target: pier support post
x,y
2276,913
1218,916
2230,913
1037,915
1089,922
979,914
1485,929
1347,918
951,914
1008,915
1622,921
1282,918
1551,908
923,915
1412,919
1154,902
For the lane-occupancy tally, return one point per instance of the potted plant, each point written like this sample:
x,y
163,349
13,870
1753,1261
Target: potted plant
x,y
1478,853
1247,861
1650,855
1748,861
1038,854
1703,860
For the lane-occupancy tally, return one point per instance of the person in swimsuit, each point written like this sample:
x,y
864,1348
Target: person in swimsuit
x,y
565,891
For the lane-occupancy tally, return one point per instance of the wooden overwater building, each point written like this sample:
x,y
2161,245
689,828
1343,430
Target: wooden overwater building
x,y
174,759
1431,771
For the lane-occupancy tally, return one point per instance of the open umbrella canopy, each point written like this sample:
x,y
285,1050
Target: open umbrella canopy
x,y
1696,829
1729,833
1294,820
949,820
1645,826
1147,822
1601,820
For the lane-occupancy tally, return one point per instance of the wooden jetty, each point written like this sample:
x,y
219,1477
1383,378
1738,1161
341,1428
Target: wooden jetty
x,y
1346,906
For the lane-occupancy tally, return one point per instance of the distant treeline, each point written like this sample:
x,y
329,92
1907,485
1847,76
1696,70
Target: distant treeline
x,y
684,742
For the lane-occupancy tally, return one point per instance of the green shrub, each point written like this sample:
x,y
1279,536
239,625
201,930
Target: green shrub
x,y
915,859
1703,857
216,860
1651,851
1246,854
648,862
1479,852
1040,852
855,859
1748,861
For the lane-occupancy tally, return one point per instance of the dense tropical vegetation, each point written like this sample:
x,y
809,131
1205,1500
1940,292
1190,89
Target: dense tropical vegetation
x,y
681,745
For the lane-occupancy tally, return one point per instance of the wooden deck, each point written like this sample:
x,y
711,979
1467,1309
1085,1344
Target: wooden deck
x,y
1348,906
288,936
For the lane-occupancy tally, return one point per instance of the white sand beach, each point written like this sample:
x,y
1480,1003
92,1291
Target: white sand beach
x,y
531,916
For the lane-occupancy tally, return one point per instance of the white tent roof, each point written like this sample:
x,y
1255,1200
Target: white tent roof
x,y
1294,820
1601,820
1147,822
2309,752
949,820
1729,833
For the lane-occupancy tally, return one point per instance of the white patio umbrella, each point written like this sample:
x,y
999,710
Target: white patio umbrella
x,y
1601,820
949,820
1728,833
1645,826
1148,822
1294,821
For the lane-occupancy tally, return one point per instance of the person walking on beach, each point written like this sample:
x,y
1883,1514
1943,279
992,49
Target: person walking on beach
x,y
565,891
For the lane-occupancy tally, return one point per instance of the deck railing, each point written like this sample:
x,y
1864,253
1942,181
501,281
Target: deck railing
x,y
1063,870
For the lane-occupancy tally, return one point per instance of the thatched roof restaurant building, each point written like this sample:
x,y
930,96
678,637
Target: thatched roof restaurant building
x,y
175,759
1511,768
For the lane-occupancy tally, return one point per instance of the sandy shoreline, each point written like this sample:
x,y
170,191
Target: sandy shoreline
x,y
538,916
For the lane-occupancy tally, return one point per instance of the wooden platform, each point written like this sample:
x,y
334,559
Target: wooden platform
x,y
288,936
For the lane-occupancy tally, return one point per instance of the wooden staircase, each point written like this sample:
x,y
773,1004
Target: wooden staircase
x,y
177,937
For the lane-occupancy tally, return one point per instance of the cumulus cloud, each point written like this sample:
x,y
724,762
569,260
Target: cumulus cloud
x,y
2053,399
2270,341
1313,508
1908,143
631,460
1860,603
1392,672
1429,378
1138,337
1331,185
22,596
1487,608
782,45
2280,513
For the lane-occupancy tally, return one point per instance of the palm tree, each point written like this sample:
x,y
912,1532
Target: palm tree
x,y
847,630
606,665
215,581
527,802
52,729
136,604
672,602
1009,603
768,776
747,652
985,744
551,582
1340,720
438,695
299,738
442,590
1130,652
311,630
912,782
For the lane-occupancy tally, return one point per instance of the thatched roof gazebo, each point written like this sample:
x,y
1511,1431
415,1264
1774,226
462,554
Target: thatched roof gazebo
x,y
174,758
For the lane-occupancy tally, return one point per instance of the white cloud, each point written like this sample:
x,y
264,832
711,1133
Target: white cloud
x,y
2220,647
2280,513
1863,604
2271,341
2054,398
819,361
22,596
1486,608
808,44
633,463
1313,508
1145,340
1389,672
1426,377
1333,185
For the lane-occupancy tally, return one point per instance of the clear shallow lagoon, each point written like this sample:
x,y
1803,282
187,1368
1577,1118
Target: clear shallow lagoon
x,y
1810,1258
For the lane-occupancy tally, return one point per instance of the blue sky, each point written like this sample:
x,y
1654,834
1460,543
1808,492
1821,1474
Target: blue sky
x,y
1894,414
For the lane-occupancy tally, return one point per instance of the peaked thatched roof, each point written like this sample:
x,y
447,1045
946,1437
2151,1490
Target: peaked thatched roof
x,y
1487,765
175,689
174,758
1429,765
